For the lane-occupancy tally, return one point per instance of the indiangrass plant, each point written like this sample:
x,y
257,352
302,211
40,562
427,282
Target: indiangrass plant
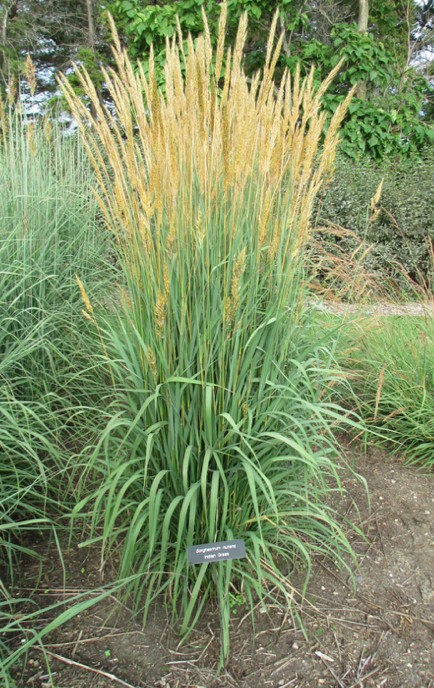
x,y
223,424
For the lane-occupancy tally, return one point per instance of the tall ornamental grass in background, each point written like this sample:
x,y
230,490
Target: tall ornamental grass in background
x,y
47,233
48,374
222,427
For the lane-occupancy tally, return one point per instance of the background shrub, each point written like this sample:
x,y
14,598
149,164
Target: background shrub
x,y
401,230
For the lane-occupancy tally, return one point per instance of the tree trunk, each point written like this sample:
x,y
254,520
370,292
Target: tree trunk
x,y
10,12
91,40
90,24
4,25
362,25
363,16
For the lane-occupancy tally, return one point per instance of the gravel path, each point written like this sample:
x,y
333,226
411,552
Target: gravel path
x,y
383,308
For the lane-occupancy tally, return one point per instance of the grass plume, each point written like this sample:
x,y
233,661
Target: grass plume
x,y
207,189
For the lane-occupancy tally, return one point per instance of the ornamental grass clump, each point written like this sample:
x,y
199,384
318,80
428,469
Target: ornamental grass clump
x,y
223,425
49,378
48,232
391,359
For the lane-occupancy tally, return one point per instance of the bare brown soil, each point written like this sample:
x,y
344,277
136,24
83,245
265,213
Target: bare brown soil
x,y
379,634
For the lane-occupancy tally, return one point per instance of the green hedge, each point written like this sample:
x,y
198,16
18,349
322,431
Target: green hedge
x,y
407,195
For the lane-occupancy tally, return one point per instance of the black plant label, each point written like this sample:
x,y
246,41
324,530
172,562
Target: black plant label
x,y
216,551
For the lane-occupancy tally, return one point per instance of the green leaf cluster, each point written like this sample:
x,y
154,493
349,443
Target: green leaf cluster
x,y
385,118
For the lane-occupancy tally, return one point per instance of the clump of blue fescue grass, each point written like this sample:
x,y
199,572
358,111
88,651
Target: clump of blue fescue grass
x,y
223,424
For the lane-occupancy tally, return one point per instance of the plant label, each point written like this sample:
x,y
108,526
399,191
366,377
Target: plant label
x,y
216,551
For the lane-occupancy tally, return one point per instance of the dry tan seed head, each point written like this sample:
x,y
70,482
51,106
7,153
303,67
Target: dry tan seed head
x,y
86,315
376,199
12,90
153,363
29,71
160,312
84,296
198,143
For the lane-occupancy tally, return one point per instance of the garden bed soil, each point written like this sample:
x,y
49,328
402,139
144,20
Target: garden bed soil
x,y
379,634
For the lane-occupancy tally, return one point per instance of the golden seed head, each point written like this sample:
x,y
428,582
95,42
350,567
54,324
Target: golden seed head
x,y
169,245
86,315
31,136
125,297
84,296
221,39
29,71
233,302
47,128
160,309
200,229
152,363
168,147
12,90
376,199
229,312
166,281
239,267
